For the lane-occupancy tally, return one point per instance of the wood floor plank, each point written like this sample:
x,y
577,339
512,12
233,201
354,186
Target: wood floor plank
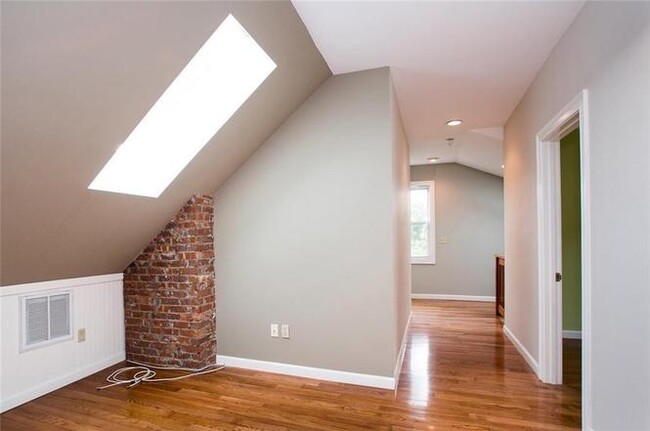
x,y
459,373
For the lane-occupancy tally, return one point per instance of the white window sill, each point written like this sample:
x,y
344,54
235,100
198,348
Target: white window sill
x,y
423,262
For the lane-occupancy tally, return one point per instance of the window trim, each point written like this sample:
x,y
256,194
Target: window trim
x,y
24,347
431,258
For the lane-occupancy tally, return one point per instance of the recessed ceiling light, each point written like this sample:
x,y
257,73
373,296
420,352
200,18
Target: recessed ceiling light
x,y
454,122
503,166
432,159
220,77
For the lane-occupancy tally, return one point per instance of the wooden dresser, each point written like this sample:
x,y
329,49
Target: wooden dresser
x,y
500,284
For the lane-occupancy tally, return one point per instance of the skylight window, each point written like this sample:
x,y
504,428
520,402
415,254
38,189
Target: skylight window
x,y
213,85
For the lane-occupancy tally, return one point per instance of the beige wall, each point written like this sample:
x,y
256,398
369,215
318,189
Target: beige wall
x,y
76,79
606,51
401,177
306,234
469,212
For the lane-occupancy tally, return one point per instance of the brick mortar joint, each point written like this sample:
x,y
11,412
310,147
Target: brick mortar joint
x,y
169,291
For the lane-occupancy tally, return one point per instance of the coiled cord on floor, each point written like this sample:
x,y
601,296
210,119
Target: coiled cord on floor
x,y
145,373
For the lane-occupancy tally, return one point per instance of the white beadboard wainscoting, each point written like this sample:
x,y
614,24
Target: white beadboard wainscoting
x,y
97,306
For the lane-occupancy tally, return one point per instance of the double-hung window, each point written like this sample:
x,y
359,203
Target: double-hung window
x,y
422,222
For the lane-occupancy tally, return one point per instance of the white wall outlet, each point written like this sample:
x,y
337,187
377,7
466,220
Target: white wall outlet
x,y
274,330
81,335
285,331
444,240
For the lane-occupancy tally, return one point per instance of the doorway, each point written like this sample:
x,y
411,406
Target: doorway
x,y
571,283
551,293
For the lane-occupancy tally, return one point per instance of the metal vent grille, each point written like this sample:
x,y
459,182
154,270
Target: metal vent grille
x,y
46,319
59,315
36,320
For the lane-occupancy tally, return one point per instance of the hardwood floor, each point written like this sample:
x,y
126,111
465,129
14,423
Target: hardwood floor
x,y
459,373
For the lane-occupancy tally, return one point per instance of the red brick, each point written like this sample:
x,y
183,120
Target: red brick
x,y
169,296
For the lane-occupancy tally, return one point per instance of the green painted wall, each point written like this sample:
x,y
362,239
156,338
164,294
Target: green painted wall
x,y
571,254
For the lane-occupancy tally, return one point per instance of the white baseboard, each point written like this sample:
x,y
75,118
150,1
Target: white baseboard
x,y
452,297
575,335
59,382
522,350
402,350
371,380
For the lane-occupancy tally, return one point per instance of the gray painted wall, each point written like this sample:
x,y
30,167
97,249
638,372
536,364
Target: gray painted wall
x,y
606,51
469,212
402,231
306,233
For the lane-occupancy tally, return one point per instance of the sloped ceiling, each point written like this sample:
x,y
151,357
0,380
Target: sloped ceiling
x,y
449,59
480,149
76,79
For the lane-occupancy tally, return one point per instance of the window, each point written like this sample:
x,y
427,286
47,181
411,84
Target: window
x,y
220,77
45,319
423,230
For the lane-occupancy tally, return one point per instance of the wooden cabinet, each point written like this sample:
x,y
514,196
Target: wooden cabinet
x,y
500,284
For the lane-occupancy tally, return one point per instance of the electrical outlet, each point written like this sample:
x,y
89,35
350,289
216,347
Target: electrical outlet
x,y
81,335
285,331
274,330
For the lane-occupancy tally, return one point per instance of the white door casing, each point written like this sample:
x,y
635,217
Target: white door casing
x,y
549,246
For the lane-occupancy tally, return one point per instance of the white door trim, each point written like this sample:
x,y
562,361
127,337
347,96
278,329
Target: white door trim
x,y
549,250
549,260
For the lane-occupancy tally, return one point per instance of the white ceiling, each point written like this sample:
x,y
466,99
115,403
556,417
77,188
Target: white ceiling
x,y
456,59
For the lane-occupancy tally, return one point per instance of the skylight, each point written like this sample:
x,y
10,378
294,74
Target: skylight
x,y
213,85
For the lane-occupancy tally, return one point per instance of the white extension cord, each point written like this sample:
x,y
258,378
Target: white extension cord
x,y
145,373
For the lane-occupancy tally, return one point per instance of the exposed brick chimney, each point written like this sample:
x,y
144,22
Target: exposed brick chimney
x,y
169,298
